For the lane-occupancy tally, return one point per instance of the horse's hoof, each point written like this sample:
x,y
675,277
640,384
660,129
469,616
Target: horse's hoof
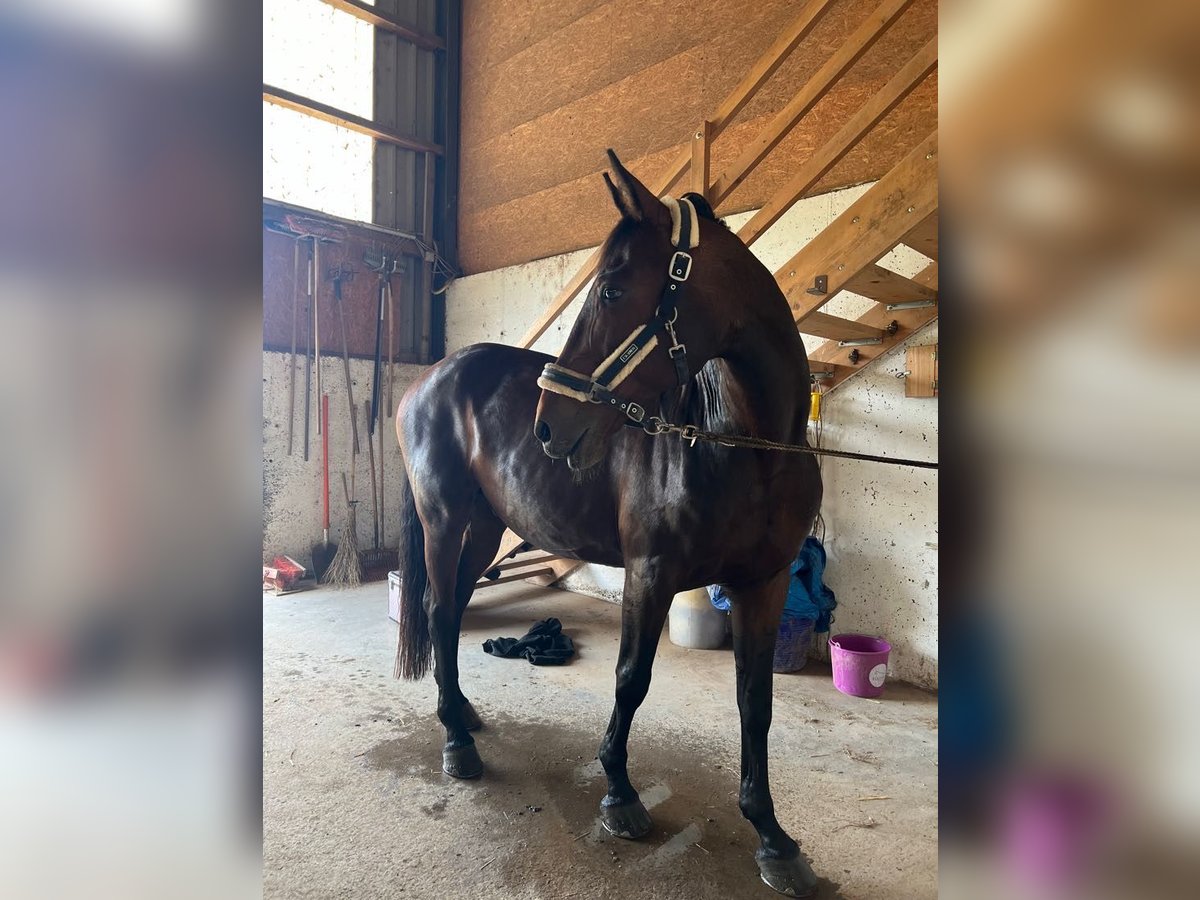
x,y
792,877
626,820
471,718
462,762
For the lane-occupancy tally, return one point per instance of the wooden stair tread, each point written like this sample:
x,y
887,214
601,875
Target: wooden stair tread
x,y
924,237
885,286
907,320
518,562
837,328
518,576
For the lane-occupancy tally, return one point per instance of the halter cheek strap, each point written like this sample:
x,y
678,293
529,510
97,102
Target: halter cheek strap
x,y
616,367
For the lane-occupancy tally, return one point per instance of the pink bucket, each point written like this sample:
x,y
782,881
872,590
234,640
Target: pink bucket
x,y
859,664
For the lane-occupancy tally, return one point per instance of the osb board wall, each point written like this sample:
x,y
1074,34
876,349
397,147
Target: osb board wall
x,y
549,84
360,293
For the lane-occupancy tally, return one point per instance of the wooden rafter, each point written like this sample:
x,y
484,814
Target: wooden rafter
x,y
817,87
868,229
763,68
288,100
847,137
701,163
388,22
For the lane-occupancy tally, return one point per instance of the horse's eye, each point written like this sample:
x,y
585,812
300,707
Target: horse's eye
x,y
608,293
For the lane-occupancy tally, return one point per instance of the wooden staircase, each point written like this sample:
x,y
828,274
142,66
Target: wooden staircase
x,y
518,560
899,209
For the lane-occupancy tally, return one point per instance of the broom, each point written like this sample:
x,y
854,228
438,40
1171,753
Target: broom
x,y
346,568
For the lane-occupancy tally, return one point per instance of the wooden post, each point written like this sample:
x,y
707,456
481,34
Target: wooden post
x,y
701,169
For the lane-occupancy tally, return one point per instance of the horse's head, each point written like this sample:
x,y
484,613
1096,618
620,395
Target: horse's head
x,y
641,330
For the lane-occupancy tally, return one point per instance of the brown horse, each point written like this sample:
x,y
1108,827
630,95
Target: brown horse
x,y
483,449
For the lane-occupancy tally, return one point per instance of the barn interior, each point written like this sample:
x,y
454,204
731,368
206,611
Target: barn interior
x,y
432,180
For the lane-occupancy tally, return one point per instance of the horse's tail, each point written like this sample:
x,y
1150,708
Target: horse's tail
x,y
414,647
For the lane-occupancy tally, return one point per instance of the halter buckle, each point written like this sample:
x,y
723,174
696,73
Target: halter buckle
x,y
635,411
681,266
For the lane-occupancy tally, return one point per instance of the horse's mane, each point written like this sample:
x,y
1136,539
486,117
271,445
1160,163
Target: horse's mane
x,y
704,401
703,209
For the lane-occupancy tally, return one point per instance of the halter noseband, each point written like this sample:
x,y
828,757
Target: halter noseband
x,y
685,236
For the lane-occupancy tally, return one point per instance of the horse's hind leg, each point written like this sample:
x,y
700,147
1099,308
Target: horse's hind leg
x,y
755,613
460,542
643,612
479,550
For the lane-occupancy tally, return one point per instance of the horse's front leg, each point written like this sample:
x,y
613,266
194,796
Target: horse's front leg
x,y
756,613
643,612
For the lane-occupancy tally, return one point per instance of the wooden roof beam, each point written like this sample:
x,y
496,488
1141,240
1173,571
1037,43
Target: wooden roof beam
x,y
868,229
854,130
817,87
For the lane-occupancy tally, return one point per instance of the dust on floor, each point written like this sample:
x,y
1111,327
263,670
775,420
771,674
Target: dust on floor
x,y
355,803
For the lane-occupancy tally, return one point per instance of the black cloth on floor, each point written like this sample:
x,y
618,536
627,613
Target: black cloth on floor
x,y
543,645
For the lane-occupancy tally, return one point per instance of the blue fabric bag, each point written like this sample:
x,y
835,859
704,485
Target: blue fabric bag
x,y
808,595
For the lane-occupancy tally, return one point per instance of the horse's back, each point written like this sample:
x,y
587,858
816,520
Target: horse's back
x,y
463,380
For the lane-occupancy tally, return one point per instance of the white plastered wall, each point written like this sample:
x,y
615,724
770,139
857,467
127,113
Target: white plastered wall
x,y
292,486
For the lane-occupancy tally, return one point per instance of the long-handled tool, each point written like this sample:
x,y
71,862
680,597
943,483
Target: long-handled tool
x,y
382,507
377,562
385,266
324,552
317,317
376,386
339,274
295,325
308,355
391,351
374,486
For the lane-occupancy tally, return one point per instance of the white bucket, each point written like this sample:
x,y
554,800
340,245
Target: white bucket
x,y
695,623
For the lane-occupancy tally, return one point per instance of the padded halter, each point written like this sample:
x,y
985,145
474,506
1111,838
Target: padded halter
x,y
616,367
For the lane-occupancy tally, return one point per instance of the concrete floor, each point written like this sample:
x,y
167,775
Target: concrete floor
x,y
355,803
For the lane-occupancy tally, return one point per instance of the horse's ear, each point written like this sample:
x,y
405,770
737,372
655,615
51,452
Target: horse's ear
x,y
632,198
626,203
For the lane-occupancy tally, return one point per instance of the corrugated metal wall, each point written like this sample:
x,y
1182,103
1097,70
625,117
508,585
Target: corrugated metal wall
x,y
416,94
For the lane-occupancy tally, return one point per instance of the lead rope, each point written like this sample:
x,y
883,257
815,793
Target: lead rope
x,y
655,426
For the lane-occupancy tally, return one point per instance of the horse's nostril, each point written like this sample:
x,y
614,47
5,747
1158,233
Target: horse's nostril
x,y
542,431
